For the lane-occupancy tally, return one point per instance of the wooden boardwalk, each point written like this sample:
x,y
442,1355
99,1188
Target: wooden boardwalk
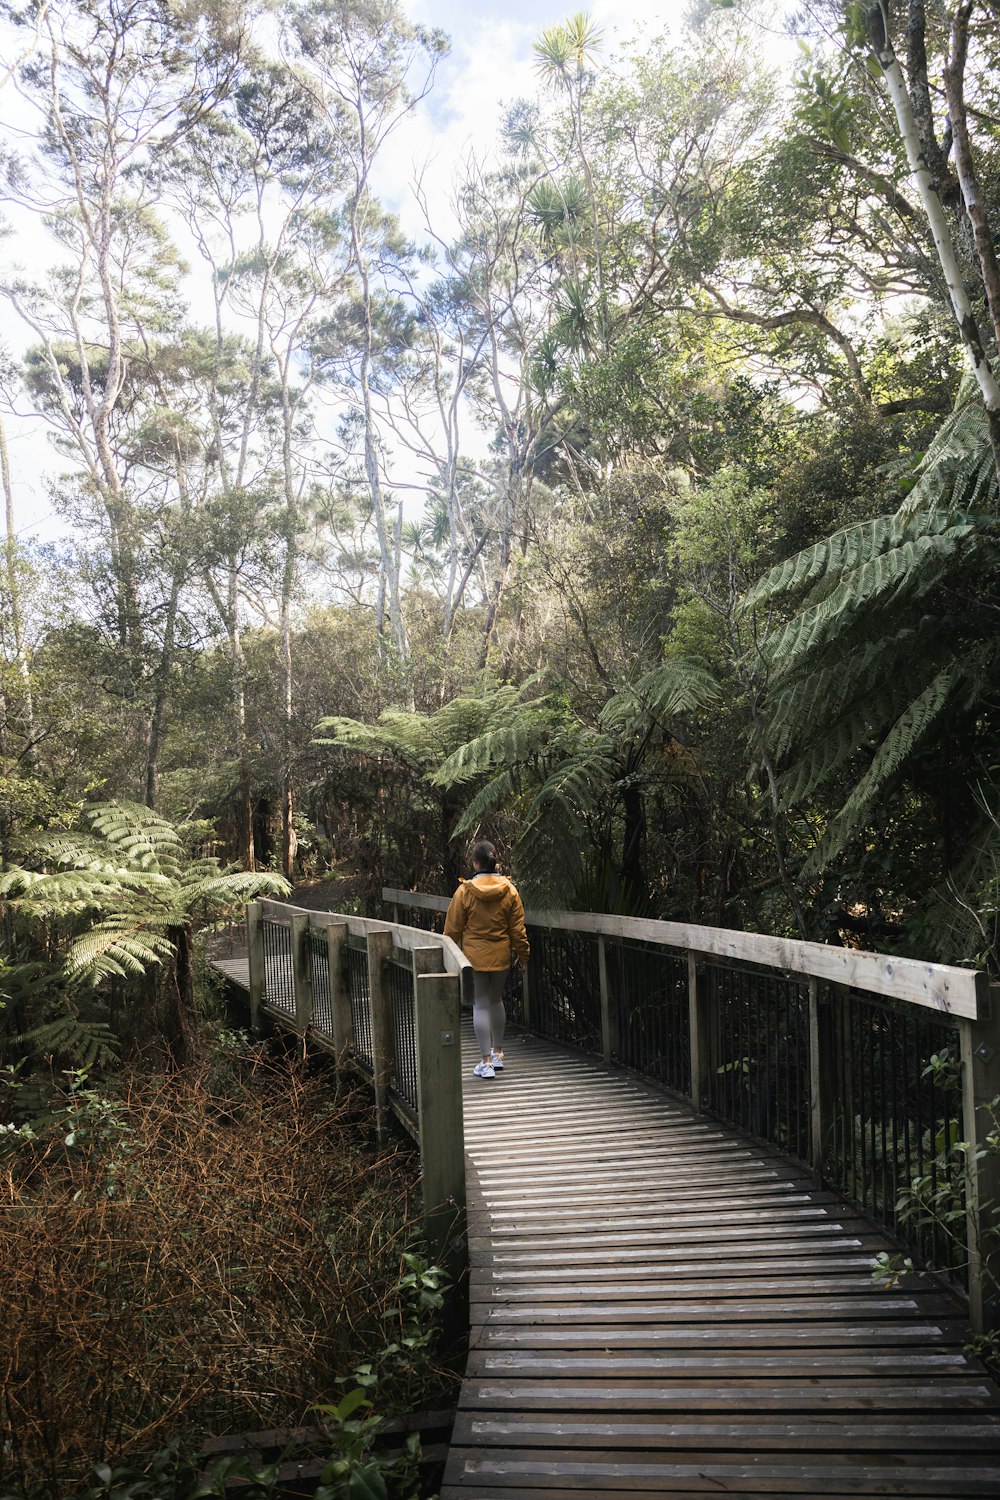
x,y
662,1307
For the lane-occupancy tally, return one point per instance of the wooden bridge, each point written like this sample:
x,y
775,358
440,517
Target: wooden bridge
x,y
666,1300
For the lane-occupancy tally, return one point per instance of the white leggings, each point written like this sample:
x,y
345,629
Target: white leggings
x,y
488,1014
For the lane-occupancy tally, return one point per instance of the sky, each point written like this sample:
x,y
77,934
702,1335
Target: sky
x,y
490,65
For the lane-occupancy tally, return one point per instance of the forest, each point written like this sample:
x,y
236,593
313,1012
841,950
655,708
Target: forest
x,y
637,509
641,514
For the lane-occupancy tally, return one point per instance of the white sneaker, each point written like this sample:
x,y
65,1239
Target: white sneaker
x,y
483,1070
496,1058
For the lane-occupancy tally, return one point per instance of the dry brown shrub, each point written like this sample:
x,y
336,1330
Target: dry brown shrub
x,y
209,1263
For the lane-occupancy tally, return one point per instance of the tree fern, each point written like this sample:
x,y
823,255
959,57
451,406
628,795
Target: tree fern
x,y
669,690
912,567
120,898
526,735
880,660
909,730
88,1044
844,553
834,749
495,794
957,471
851,678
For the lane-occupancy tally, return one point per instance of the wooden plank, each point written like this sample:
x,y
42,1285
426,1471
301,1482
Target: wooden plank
x,y
960,1431
847,1395
680,1335
664,1475
864,1306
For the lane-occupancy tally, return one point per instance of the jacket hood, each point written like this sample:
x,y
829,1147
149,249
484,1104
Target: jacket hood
x,y
488,887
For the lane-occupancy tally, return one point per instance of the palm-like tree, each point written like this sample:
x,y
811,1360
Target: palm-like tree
x,y
117,899
890,657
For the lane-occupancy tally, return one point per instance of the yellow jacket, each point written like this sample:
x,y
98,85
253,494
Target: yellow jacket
x,y
486,920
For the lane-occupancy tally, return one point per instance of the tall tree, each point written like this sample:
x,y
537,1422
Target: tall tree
x,y
112,88
363,59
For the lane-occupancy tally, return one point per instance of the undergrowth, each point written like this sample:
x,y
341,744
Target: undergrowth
x,y
194,1255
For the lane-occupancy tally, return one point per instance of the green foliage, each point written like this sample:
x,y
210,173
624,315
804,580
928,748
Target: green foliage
x,y
115,898
559,784
872,672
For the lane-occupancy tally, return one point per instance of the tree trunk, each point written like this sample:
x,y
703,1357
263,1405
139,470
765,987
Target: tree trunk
x,y
181,1028
930,197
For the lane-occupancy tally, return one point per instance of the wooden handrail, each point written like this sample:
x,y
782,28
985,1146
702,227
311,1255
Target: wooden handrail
x,y
944,988
281,912
439,967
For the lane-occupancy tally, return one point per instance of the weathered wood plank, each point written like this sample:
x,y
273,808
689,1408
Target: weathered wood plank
x,y
958,1431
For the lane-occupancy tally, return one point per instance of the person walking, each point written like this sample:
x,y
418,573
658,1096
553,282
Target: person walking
x,y
486,920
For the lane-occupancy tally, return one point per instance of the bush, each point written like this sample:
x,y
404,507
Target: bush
x,y
199,1254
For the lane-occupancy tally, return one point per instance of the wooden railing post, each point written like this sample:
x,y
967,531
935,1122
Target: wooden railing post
x,y
820,1077
255,962
699,1018
425,961
340,999
379,945
980,1049
302,979
525,997
602,972
439,1116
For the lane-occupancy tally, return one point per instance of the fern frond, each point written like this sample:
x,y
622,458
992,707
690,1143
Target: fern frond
x,y
66,893
825,693
906,734
89,1044
844,553
675,687
839,743
111,950
507,745
957,470
497,793
133,828
220,888
913,567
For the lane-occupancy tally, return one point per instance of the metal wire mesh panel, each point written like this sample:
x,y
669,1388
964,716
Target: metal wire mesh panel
x,y
404,1034
319,950
649,1011
419,916
513,997
761,1078
279,975
361,1012
897,1116
565,987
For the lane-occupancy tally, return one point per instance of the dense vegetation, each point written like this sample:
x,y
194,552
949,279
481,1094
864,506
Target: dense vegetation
x,y
640,515
207,1253
641,512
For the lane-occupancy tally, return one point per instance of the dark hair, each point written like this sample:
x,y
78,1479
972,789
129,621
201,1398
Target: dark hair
x,y
484,855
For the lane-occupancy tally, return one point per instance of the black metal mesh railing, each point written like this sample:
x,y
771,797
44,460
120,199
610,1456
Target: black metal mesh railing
x,y
565,987
404,1035
419,916
360,997
279,973
895,1094
649,1012
760,1077
322,1004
